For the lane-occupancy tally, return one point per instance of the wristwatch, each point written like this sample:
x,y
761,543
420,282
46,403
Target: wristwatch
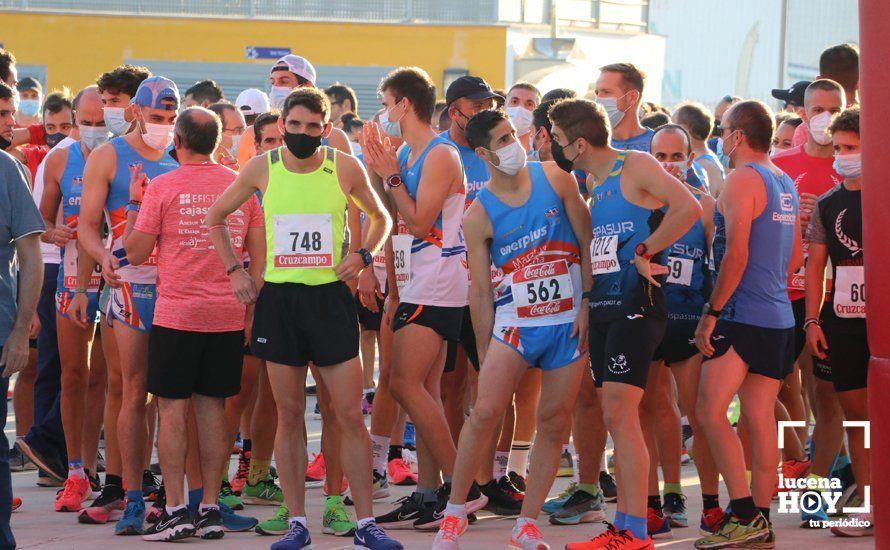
x,y
367,258
709,310
393,181
643,251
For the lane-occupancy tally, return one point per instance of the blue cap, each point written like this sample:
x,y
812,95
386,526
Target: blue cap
x,y
157,92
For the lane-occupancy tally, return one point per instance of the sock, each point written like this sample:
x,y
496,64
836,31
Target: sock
x,y
654,501
364,522
245,446
75,468
684,421
603,466
379,448
636,525
446,479
173,509
765,512
675,488
259,469
591,488
298,519
195,497
427,494
499,468
620,518
395,451
710,501
111,479
519,457
135,496
457,510
743,508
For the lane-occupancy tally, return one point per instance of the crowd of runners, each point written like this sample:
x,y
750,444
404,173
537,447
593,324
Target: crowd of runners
x,y
539,277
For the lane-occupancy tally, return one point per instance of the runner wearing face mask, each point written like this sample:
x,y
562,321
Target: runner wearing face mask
x,y
522,99
127,301
619,89
233,128
117,88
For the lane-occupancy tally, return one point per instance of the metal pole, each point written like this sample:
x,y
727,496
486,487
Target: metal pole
x,y
783,38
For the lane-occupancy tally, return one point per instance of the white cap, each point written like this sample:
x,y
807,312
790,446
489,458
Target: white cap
x,y
253,102
300,66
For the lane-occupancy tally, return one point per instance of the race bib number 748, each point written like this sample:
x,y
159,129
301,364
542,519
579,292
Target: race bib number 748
x,y
303,240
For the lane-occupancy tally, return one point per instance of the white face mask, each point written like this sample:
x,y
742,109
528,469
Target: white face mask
x,y
235,141
93,136
511,158
679,165
849,166
158,136
116,120
278,95
819,128
610,104
392,128
521,119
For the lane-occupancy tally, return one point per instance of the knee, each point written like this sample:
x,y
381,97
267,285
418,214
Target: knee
x,y
399,388
554,424
485,416
290,416
74,378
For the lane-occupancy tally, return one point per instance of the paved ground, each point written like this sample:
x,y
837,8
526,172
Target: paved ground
x,y
36,525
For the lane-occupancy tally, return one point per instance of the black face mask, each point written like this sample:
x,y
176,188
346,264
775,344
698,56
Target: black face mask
x,y
53,139
559,157
4,143
302,146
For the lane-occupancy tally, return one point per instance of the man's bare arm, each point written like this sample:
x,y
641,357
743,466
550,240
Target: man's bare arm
x,y
477,232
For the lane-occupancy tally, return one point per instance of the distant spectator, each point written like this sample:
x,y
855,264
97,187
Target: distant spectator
x,y
30,98
841,64
559,93
204,93
343,100
8,73
655,120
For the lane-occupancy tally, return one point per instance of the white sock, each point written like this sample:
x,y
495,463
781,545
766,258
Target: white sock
x,y
298,519
684,421
499,469
456,510
173,509
603,463
380,451
363,522
519,457
204,507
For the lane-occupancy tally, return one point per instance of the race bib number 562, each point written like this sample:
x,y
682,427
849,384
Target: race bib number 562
x,y
542,289
303,240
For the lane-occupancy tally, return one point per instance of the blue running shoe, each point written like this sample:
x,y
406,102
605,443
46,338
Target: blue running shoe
x,y
372,537
296,538
234,523
410,438
132,520
556,503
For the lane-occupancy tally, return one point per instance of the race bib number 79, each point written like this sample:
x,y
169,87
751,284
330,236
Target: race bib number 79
x,y
542,289
303,240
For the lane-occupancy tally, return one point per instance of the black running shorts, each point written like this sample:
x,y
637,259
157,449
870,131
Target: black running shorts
x,y
678,344
446,321
622,350
849,355
183,363
800,335
295,324
467,342
766,351
368,319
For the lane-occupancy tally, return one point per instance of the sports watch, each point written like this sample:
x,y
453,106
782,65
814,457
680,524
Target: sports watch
x,y
393,181
643,251
709,310
367,258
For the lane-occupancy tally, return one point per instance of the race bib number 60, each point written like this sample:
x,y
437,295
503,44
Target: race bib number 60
x,y
303,240
849,292
542,289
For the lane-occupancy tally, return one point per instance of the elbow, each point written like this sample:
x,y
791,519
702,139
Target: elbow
x,y
135,257
692,212
418,232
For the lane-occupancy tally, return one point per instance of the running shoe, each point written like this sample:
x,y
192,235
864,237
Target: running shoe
x,y
43,480
791,469
527,536
849,497
685,457
366,405
608,487
372,537
51,463
235,523
100,463
335,520
228,497
768,542
241,474
711,518
861,525
344,489
277,524
598,541
410,510
675,509
238,444
380,486
517,480
657,524
132,520
733,532
316,471
449,533
566,465
582,507
169,527
150,485
410,458
296,538
155,468
266,493
618,540
108,506
16,503
556,503
506,484
501,502
95,484
19,461
209,524
400,473
74,492
410,438
432,516
316,414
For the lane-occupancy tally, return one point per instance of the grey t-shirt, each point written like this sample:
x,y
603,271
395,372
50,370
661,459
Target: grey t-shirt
x,y
19,217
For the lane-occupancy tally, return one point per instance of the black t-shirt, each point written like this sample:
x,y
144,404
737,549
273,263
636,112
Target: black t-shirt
x,y
837,224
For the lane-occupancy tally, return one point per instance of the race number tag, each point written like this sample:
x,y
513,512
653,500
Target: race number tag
x,y
401,257
303,240
542,289
680,271
70,269
604,254
849,292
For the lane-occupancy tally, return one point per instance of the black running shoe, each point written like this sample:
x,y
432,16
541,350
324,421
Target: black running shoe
x,y
169,528
158,506
150,485
209,524
608,487
50,463
19,461
502,498
95,483
409,510
432,516
517,480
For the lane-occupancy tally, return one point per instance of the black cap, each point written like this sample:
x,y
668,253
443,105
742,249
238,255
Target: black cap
x,y
793,95
470,87
29,83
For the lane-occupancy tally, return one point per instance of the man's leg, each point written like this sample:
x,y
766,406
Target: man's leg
x,y
6,539
172,446
589,431
330,436
855,405
95,405
263,427
288,386
23,395
113,461
687,374
758,395
454,388
828,432
386,409
368,350
791,396
74,343
131,426
648,419
214,440
527,394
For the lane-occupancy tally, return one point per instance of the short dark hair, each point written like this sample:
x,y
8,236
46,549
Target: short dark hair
x,y
123,80
756,122
698,118
6,92
199,130
351,122
261,122
312,98
848,121
221,108
655,120
205,90
540,118
523,85
825,84
56,102
630,74
416,85
582,118
479,127
559,93
841,64
794,121
670,127
7,61
338,93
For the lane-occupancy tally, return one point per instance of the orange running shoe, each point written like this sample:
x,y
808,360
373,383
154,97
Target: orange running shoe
x,y
449,532
240,477
316,470
711,518
74,492
600,541
400,473
792,469
16,503
527,536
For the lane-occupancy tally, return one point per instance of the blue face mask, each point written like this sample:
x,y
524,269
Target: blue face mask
x,y
116,120
29,107
392,128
